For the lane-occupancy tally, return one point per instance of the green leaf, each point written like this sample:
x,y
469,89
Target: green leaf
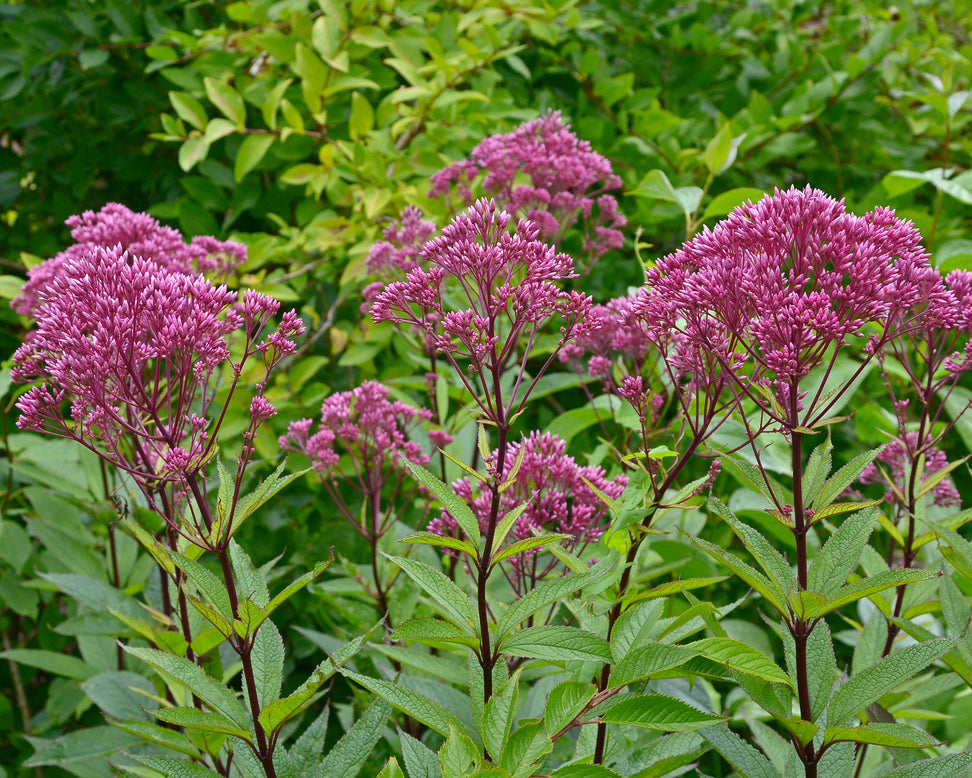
x,y
556,643
411,703
456,506
362,116
659,712
841,553
272,102
227,100
632,626
250,583
756,580
565,702
888,735
434,629
442,541
207,582
498,715
817,470
189,109
251,151
821,668
839,481
656,186
197,680
726,202
528,544
50,662
741,658
267,657
218,128
889,579
718,151
171,740
420,761
83,745
348,755
204,721
774,565
877,680
249,504
192,151
276,714
546,593
643,662
305,753
457,755
746,760
171,767
946,766
454,601
121,694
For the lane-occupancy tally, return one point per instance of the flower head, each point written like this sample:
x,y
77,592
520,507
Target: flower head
x,y
778,286
141,236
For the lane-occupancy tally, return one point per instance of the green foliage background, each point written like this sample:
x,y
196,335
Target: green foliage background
x,y
302,127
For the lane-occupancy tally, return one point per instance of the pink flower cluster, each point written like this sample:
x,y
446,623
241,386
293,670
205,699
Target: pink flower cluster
x,y
130,345
483,292
142,236
364,424
775,288
566,181
614,337
899,455
555,488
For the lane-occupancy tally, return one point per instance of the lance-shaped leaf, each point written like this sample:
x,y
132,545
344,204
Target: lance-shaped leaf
x,y
279,712
769,591
457,507
347,756
547,593
442,541
556,644
170,739
50,662
305,753
743,757
659,712
817,469
774,565
877,680
839,481
841,553
207,582
173,767
498,715
945,766
453,600
252,502
565,702
527,544
646,661
204,721
196,680
411,703
740,657
751,475
669,588
888,735
420,760
858,590
434,629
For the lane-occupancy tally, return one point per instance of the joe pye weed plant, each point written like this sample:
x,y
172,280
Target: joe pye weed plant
x,y
539,609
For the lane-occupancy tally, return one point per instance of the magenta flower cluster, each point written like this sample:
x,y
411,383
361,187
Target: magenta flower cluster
x,y
367,426
566,180
779,286
898,457
142,236
126,353
482,295
556,490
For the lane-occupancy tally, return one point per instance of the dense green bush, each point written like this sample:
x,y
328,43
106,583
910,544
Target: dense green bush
x,y
303,130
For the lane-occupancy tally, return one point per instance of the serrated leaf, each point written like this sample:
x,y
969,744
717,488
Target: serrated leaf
x,y
204,721
50,662
839,481
888,735
420,761
564,703
456,506
169,739
454,601
740,657
207,582
756,580
878,583
556,644
305,753
348,755
172,767
546,593
644,661
659,712
433,629
528,544
411,703
873,683
197,680
267,657
498,715
743,757
227,100
769,559
442,541
250,583
946,766
841,553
